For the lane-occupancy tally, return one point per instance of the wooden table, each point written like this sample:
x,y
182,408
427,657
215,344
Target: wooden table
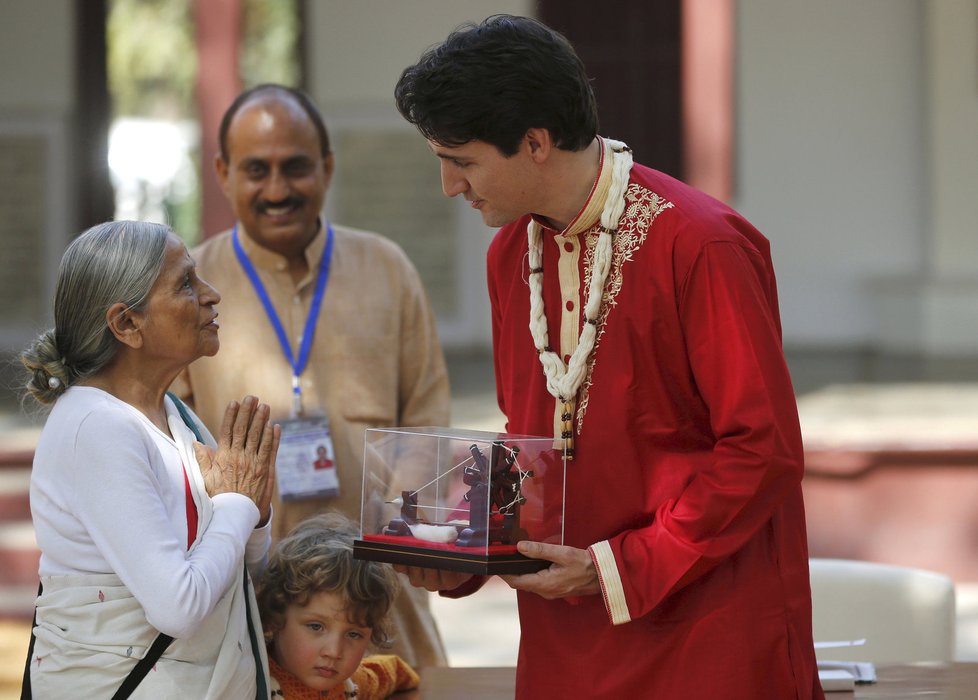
x,y
951,682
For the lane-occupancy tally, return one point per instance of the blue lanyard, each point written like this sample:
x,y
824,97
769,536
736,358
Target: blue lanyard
x,y
305,345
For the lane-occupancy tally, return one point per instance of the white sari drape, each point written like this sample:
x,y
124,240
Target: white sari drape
x,y
91,631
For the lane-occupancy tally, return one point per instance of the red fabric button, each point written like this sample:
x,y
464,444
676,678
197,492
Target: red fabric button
x,y
566,359
569,247
570,306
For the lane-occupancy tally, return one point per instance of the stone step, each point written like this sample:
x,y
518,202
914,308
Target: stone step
x,y
18,549
19,555
17,602
15,502
15,457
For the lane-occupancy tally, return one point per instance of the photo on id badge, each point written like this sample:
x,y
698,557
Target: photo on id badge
x,y
306,466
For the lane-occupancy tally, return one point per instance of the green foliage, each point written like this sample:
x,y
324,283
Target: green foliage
x,y
270,46
152,70
152,59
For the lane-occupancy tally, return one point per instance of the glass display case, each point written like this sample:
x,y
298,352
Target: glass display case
x,y
448,498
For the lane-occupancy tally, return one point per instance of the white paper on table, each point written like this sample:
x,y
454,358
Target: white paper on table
x,y
861,671
840,644
834,680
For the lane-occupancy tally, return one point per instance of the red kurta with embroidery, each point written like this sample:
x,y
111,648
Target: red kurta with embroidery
x,y
686,484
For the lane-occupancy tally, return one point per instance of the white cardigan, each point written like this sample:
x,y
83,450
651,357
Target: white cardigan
x,y
108,499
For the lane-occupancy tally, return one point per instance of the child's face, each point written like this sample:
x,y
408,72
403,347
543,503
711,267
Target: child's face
x,y
318,643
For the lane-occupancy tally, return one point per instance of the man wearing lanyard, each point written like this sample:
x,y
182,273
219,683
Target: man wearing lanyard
x,y
329,325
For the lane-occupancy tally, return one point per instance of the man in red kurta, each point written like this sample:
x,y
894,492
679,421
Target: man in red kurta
x,y
636,319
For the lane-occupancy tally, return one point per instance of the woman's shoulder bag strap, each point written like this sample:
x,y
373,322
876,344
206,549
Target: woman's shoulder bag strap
x,y
161,642
185,414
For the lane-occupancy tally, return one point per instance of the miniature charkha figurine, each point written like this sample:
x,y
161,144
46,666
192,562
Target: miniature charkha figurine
x,y
494,497
464,499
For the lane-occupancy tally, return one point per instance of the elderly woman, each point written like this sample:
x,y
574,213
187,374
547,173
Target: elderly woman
x,y
144,530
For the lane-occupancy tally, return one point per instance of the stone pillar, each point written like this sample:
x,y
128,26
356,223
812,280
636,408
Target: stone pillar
x,y
707,95
935,312
218,83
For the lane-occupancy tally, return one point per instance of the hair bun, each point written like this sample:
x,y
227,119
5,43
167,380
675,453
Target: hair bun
x,y
49,375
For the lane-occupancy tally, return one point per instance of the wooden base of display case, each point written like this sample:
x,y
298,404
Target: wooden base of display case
x,y
495,559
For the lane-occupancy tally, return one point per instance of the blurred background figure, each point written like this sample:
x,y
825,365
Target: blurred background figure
x,y
329,324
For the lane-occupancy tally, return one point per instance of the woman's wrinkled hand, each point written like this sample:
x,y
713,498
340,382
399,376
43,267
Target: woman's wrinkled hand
x,y
244,461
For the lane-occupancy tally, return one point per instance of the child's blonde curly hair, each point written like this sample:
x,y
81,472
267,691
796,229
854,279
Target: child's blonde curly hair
x,y
316,557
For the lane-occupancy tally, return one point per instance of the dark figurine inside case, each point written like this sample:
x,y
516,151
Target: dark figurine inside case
x,y
473,499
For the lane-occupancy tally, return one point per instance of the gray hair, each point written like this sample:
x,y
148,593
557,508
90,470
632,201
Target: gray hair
x,y
114,262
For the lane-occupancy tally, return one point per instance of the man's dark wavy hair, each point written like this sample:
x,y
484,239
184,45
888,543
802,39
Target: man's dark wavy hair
x,y
493,81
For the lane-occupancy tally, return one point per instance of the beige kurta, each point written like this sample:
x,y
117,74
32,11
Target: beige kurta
x,y
375,362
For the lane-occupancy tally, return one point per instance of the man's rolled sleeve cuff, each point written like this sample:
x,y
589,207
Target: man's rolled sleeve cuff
x,y
610,581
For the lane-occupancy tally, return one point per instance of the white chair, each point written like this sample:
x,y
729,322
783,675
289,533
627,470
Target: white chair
x,y
905,614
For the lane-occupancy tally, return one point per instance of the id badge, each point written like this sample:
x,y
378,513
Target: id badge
x,y
306,466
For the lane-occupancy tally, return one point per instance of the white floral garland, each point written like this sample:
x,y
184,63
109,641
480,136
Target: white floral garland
x,y
563,380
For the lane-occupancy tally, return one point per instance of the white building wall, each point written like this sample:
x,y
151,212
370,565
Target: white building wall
x,y
952,96
37,45
36,56
857,150
947,295
831,157
356,53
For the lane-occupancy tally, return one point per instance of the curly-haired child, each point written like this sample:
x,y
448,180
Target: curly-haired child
x,y
321,609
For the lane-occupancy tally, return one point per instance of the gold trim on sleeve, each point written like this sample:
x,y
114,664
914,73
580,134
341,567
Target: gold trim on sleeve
x,y
610,581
